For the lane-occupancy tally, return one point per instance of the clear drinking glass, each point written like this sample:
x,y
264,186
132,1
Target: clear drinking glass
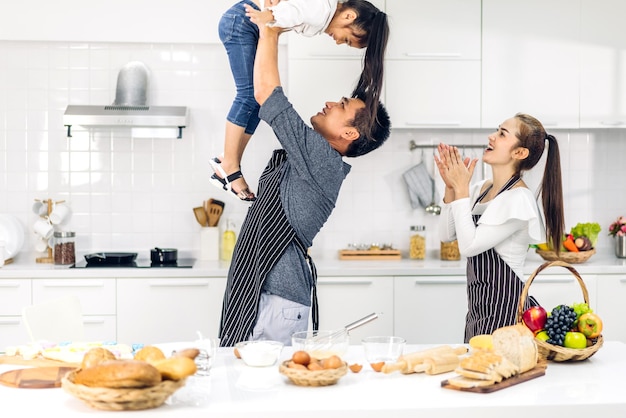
x,y
206,357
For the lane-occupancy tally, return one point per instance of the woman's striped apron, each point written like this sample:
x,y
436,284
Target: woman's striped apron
x,y
493,288
264,236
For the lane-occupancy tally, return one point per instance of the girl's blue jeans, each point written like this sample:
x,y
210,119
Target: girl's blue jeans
x,y
240,36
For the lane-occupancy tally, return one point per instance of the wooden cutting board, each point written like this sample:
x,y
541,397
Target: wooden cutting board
x,y
539,370
35,378
35,362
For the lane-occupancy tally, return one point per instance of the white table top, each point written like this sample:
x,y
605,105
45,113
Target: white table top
x,y
235,390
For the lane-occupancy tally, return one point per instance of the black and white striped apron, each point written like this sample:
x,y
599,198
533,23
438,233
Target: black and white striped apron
x,y
493,288
264,237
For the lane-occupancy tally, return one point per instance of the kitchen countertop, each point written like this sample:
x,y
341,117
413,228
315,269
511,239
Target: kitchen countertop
x,y
586,388
25,266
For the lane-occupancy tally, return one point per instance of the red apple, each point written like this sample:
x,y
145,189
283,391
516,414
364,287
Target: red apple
x,y
535,318
590,324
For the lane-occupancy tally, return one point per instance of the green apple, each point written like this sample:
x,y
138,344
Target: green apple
x,y
542,335
575,340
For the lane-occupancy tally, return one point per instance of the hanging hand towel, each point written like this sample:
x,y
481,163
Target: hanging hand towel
x,y
420,185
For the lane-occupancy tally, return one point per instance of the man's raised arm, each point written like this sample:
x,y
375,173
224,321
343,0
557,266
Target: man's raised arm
x,y
266,76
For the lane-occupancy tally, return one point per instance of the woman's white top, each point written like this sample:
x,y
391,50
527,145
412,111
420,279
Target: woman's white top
x,y
307,17
509,223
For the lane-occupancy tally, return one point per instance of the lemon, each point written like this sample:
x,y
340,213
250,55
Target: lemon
x,y
481,342
543,246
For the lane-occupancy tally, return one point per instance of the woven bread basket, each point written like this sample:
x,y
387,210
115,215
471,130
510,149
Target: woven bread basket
x,y
555,352
568,257
123,399
302,377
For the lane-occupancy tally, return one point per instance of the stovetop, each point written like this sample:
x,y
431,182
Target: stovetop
x,y
139,263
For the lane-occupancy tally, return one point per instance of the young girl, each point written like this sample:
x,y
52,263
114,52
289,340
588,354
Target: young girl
x,y
356,23
496,220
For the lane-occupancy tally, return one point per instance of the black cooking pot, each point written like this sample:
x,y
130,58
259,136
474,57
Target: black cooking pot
x,y
110,259
163,255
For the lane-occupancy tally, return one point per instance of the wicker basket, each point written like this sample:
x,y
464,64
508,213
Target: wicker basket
x,y
556,352
121,399
568,257
302,377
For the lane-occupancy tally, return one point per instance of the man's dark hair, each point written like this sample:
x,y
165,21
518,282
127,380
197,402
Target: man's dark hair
x,y
369,139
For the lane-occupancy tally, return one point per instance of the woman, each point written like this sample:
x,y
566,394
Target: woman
x,y
496,220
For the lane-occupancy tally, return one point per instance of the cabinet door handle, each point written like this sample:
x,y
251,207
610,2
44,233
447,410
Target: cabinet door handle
x,y
442,123
611,122
441,281
92,321
8,321
555,280
433,55
75,283
179,283
345,282
9,283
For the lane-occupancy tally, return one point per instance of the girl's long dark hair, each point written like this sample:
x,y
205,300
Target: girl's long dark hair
x,y
375,28
533,136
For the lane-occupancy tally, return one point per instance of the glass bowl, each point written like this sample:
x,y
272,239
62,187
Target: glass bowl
x,y
321,344
261,353
379,349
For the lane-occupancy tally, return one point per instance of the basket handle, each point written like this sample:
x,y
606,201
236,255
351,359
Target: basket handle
x,y
520,306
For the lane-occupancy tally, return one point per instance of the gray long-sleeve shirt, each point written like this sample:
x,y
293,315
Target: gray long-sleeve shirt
x,y
312,177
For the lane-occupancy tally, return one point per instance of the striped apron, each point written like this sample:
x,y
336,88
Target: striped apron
x,y
264,236
493,288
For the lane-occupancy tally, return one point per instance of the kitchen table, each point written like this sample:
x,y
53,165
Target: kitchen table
x,y
591,387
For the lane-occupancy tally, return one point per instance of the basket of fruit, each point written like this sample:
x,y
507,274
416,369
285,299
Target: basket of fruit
x,y
578,245
567,333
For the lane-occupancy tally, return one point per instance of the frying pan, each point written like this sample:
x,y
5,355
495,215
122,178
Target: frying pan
x,y
106,258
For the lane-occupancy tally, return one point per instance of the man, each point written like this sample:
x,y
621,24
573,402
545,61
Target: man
x,y
271,281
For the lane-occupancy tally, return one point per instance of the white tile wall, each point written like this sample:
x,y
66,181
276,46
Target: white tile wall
x,y
133,194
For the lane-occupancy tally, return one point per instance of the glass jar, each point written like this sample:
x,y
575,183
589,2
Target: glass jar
x,y
450,251
64,249
417,242
228,241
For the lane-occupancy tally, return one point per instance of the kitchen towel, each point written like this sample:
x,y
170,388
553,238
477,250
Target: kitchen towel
x,y
420,186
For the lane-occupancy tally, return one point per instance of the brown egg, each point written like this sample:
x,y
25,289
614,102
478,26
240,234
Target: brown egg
x,y
377,366
293,365
315,365
237,353
332,362
301,357
355,368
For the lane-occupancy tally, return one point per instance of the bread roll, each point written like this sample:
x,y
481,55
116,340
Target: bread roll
x,y
192,353
175,368
119,374
96,356
150,354
517,344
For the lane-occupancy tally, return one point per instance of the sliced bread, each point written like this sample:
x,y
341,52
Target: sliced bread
x,y
517,344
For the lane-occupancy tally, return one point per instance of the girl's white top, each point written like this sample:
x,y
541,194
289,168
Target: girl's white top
x,y
509,224
307,17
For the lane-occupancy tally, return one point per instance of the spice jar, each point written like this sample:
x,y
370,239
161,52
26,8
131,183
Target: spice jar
x,y
417,243
64,249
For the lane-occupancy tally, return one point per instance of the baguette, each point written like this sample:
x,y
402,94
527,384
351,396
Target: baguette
x,y
119,374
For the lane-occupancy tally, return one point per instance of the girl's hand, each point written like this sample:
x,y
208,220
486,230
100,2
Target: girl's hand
x,y
259,17
269,3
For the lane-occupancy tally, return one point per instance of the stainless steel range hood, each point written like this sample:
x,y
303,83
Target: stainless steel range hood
x,y
130,107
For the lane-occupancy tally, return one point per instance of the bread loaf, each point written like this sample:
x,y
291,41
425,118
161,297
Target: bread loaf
x,y
119,374
150,354
175,368
95,356
517,344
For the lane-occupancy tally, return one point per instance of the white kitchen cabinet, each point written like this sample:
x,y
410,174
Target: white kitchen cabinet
x,y
530,61
430,309
433,94
343,300
158,310
433,74
97,300
15,294
603,64
611,307
182,21
552,290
